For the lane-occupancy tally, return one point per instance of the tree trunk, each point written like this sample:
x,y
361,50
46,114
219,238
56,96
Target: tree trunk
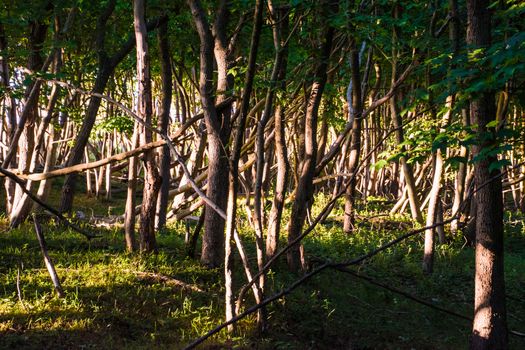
x,y
152,181
428,257
10,114
213,237
104,72
129,214
355,147
304,189
489,330
106,67
163,123
231,222
26,142
274,220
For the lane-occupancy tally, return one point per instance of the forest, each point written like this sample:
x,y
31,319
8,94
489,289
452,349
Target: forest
x,y
262,174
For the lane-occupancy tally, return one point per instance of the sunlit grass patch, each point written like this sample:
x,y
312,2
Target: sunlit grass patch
x,y
114,299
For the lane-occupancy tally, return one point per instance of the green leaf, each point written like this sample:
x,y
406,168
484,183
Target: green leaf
x,y
378,165
492,124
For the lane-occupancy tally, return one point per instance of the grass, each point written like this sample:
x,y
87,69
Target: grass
x,y
110,303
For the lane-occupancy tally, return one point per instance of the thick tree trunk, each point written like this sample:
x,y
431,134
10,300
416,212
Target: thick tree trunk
x,y
213,238
489,330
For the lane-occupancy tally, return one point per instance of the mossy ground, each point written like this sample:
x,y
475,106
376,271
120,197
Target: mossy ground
x,y
109,304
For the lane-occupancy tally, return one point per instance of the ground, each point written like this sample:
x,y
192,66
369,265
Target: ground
x,y
118,300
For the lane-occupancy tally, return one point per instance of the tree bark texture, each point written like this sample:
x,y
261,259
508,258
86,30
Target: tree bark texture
x,y
217,191
147,241
355,147
489,329
163,124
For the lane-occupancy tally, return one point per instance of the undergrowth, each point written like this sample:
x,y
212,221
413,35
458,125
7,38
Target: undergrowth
x,y
114,299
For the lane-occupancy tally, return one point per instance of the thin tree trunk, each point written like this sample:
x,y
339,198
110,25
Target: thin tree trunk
x,y
274,220
44,186
231,221
355,147
129,214
106,67
428,256
26,125
304,189
407,169
461,176
152,181
163,123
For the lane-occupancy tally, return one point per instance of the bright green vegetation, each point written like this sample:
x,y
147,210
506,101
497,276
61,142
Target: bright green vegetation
x,y
114,299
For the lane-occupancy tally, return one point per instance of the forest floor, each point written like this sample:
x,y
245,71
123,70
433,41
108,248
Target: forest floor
x,y
118,300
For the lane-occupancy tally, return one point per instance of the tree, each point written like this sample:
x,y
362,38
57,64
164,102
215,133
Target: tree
x,y
213,239
304,189
489,330
151,176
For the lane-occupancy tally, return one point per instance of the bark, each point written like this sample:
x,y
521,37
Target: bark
x,y
44,187
163,123
152,181
355,147
213,238
460,180
281,181
10,114
454,36
129,214
24,138
489,329
104,72
280,22
428,257
224,86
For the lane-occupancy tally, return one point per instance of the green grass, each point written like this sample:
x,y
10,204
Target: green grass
x,y
109,304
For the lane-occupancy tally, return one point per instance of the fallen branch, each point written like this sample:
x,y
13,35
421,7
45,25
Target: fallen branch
x,y
49,263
